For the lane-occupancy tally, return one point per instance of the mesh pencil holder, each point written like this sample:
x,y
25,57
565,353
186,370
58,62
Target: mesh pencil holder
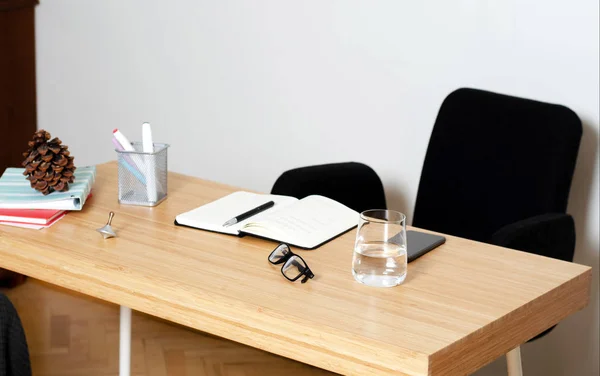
x,y
142,176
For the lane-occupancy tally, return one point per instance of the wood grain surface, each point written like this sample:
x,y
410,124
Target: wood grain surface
x,y
462,305
71,334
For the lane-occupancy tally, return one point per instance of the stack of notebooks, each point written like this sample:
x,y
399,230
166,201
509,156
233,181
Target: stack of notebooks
x,y
23,206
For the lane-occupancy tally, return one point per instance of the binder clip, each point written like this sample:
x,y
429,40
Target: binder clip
x,y
107,230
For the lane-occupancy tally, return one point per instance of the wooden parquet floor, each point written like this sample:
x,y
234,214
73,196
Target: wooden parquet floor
x,y
70,334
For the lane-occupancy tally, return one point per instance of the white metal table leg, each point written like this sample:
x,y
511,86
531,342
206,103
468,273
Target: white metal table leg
x,y
125,342
513,361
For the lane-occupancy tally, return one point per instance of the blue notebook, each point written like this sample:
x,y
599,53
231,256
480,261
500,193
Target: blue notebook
x,y
16,193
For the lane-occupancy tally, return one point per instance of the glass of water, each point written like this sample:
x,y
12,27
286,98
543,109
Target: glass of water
x,y
380,248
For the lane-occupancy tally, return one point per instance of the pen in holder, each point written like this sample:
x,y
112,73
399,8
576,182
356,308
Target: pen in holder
x,y
142,176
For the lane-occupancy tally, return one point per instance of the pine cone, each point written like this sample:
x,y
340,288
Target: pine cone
x,y
48,166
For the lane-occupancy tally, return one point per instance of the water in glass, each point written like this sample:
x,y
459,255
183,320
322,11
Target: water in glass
x,y
379,264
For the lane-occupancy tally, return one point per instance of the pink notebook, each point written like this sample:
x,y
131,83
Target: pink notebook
x,y
33,216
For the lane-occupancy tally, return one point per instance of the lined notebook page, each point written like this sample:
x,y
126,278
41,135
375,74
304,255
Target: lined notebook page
x,y
306,223
212,215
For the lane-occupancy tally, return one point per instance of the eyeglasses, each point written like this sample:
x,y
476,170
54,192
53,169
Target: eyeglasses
x,y
293,267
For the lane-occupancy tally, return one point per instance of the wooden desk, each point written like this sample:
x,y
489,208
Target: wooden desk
x,y
462,305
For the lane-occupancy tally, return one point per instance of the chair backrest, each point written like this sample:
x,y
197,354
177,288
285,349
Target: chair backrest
x,y
494,159
353,184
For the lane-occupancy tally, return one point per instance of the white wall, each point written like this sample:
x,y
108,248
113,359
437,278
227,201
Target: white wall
x,y
243,90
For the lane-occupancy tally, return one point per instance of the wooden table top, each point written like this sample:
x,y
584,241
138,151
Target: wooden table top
x,y
462,305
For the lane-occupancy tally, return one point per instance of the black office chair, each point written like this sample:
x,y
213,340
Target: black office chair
x,y
498,170
353,184
14,353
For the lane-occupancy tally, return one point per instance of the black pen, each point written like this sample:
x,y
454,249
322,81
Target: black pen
x,y
248,214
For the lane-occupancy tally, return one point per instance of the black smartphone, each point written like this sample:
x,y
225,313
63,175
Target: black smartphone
x,y
419,243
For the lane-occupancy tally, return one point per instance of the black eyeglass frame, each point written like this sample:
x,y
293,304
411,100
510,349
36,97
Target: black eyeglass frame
x,y
307,273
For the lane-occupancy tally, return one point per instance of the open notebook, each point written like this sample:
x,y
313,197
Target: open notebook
x,y
305,223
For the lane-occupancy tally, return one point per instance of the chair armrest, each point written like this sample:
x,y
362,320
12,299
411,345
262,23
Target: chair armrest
x,y
551,235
